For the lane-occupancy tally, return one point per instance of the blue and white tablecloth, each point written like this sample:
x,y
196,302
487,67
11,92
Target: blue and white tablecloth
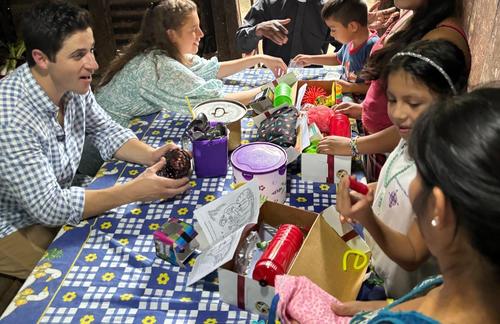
x,y
105,270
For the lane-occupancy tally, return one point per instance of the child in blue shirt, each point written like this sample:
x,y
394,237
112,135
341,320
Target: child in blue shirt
x,y
348,23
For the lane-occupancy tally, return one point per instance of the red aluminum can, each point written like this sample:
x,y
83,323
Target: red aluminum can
x,y
279,254
340,125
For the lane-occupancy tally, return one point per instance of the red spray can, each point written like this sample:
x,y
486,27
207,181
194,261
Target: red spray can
x,y
278,255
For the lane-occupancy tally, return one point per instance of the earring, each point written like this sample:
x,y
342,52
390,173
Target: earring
x,y
434,222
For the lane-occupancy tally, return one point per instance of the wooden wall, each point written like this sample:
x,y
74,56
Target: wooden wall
x,y
116,21
482,25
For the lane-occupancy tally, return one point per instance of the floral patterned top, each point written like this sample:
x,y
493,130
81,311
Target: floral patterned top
x,y
154,81
385,315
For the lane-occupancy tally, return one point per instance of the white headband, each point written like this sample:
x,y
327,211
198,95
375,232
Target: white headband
x,y
431,62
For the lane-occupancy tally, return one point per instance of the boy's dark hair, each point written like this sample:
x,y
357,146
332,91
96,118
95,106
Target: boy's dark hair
x,y
455,147
48,24
442,52
346,11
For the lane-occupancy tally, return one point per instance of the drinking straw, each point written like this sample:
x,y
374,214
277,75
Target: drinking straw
x,y
190,108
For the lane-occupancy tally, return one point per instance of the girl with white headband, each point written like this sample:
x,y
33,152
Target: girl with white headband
x,y
419,76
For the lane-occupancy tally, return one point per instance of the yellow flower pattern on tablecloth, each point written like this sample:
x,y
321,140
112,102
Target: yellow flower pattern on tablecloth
x,y
123,241
108,276
244,142
163,278
126,297
68,228
133,172
192,262
301,199
69,296
324,187
169,141
209,198
106,225
154,226
186,299
91,257
166,116
149,320
140,257
182,211
155,133
210,321
192,183
136,211
87,319
250,123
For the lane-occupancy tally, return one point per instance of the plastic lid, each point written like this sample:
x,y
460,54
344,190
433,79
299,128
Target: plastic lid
x,y
221,110
258,157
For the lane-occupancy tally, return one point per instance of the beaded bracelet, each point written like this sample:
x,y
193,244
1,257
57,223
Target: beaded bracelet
x,y
353,143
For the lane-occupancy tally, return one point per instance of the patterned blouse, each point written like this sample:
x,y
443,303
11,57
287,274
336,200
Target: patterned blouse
x,y
154,81
385,315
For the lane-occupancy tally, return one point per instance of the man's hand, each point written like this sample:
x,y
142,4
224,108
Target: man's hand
x,y
149,186
274,30
159,152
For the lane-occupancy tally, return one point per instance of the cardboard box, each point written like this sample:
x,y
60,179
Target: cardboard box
x,y
319,167
320,257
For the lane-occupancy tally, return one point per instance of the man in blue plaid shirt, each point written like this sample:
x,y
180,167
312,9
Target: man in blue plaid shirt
x,y
46,109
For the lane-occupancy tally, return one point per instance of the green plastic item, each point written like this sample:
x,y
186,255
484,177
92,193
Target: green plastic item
x,y
282,95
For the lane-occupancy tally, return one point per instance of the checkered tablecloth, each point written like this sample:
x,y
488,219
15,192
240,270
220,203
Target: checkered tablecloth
x,y
105,270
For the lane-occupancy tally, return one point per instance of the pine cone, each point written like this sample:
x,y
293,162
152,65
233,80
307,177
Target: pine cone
x,y
178,164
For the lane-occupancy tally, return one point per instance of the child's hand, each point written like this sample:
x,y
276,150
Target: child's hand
x,y
353,307
353,205
346,86
302,60
275,64
351,109
334,145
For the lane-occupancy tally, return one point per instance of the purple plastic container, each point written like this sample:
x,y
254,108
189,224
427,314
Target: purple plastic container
x,y
210,157
265,162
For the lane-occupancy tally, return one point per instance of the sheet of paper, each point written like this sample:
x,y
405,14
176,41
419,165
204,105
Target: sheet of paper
x,y
227,214
215,256
300,96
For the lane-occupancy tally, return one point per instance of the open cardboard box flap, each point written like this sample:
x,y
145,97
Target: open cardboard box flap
x,y
319,259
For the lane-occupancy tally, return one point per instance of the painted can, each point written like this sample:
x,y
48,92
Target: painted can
x,y
224,111
279,255
265,162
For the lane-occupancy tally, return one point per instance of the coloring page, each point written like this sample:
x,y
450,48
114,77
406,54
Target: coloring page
x,y
215,256
227,214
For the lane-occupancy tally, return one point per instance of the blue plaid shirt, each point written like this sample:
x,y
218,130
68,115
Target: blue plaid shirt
x,y
39,157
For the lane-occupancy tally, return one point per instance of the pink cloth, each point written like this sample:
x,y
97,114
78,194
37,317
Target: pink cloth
x,y
305,302
321,116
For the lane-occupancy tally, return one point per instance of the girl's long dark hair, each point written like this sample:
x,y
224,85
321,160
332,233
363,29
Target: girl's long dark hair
x,y
159,17
442,52
455,145
424,20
